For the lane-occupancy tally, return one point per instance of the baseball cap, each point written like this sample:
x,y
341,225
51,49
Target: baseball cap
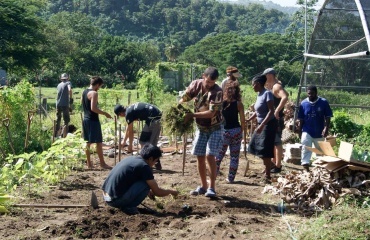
x,y
269,71
64,76
118,109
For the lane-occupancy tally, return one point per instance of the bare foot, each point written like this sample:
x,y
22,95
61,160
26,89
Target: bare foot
x,y
90,166
105,166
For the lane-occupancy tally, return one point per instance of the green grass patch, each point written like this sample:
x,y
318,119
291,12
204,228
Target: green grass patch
x,y
346,221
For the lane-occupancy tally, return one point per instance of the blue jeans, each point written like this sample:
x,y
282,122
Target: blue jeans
x,y
133,197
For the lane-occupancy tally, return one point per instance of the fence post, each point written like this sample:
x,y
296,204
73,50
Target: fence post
x,y
45,106
129,98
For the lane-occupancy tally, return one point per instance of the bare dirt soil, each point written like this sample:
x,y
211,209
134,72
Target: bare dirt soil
x,y
240,211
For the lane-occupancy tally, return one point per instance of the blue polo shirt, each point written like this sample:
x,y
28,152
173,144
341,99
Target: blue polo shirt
x,y
313,115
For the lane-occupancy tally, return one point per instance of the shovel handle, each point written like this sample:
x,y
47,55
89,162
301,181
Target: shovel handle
x,y
48,206
30,115
6,122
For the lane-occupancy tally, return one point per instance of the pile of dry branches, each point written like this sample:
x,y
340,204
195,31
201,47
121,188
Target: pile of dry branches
x,y
318,189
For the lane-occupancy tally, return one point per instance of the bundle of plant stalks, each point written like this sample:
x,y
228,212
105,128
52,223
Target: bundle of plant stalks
x,y
174,120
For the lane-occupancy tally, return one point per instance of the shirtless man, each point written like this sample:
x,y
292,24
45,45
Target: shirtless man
x,y
280,99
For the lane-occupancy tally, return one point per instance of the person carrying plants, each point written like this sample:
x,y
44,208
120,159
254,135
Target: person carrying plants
x,y
207,96
131,180
263,138
280,99
232,111
141,111
91,124
313,123
64,99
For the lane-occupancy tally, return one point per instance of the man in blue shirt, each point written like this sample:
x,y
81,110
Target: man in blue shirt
x,y
314,120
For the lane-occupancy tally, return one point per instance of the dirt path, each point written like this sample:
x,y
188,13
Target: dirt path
x,y
240,211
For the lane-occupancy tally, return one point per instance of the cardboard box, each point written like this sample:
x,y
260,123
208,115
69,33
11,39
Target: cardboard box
x,y
332,140
333,163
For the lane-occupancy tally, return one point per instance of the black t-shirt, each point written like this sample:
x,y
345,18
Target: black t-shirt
x,y
142,112
128,171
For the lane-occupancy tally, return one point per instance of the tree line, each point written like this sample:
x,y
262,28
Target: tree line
x,y
115,39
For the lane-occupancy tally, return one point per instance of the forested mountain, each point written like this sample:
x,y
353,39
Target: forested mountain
x,y
265,3
115,38
180,22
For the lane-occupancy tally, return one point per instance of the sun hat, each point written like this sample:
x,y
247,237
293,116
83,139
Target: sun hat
x,y
233,71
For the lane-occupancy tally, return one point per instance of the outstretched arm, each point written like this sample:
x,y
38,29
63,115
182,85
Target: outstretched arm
x,y
94,104
130,135
160,192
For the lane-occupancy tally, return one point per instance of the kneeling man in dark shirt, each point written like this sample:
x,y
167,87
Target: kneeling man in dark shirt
x,y
131,180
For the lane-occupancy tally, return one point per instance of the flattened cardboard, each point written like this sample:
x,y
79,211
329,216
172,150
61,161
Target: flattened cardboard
x,y
334,163
315,150
358,168
332,140
327,149
345,151
335,166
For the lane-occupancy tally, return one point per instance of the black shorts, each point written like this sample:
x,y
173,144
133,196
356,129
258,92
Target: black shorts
x,y
279,132
92,131
262,145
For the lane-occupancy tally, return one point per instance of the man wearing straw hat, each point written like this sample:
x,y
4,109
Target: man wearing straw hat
x,y
64,98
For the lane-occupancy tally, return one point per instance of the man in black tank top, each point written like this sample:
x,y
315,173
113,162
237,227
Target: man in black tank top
x,y
280,99
91,124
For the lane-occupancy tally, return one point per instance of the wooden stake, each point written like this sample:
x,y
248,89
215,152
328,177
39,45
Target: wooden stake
x,y
29,119
184,141
82,124
54,123
115,140
138,132
119,142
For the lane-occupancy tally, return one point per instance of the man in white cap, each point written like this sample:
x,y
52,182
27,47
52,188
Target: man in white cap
x,y
64,99
280,99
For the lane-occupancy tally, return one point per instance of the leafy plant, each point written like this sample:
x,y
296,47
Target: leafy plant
x,y
150,86
343,126
50,166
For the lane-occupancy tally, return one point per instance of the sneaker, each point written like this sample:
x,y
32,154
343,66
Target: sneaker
x,y
131,210
158,166
276,170
210,193
198,191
